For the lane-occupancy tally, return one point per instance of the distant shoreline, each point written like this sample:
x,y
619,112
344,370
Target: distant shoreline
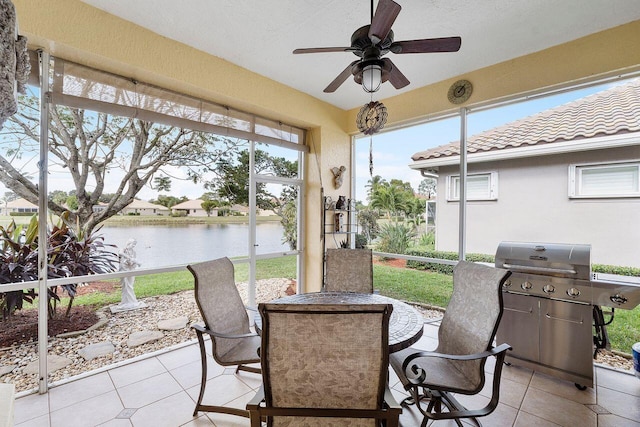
x,y
159,220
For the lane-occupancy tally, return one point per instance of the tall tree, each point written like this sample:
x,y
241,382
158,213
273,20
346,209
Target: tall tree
x,y
427,187
91,146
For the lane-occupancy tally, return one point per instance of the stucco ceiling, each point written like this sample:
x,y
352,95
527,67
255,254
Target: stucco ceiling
x,y
260,35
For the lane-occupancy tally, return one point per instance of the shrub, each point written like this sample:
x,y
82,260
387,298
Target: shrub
x,y
361,241
69,253
443,268
395,238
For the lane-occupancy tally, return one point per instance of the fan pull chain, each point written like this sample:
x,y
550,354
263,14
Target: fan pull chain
x,y
371,155
371,135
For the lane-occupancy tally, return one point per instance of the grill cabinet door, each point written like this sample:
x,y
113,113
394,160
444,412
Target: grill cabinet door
x,y
519,326
566,336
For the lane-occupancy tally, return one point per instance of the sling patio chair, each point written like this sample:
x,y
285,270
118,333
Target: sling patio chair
x,y
349,270
465,341
324,365
226,322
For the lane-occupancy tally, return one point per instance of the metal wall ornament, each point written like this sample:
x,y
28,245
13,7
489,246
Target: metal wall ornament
x,y
372,117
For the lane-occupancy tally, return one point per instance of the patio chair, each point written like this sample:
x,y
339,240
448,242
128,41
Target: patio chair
x,y
324,365
349,270
225,322
465,341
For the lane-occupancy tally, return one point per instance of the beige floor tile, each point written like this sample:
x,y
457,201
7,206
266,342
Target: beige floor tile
x,y
430,330
517,374
30,407
566,389
610,420
147,391
221,390
557,409
117,422
619,381
91,412
189,375
173,410
181,356
138,371
80,390
226,420
503,415
252,380
525,419
511,392
41,421
622,404
201,421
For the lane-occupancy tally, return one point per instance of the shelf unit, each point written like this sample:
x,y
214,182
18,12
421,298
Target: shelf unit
x,y
340,221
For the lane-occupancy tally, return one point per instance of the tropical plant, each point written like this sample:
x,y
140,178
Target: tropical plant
x,y
69,253
395,237
18,263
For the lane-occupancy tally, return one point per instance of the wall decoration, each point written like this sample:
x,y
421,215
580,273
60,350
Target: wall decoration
x,y
337,176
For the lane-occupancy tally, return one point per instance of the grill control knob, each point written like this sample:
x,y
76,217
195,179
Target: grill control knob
x,y
573,292
618,299
548,289
507,283
526,286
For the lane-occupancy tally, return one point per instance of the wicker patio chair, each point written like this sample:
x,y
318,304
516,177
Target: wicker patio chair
x,y
465,341
349,270
324,365
226,322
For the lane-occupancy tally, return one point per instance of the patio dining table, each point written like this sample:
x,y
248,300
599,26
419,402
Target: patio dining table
x,y
405,323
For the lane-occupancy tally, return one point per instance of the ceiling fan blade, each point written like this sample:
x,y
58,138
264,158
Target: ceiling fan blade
x,y
386,14
344,75
444,44
323,49
396,78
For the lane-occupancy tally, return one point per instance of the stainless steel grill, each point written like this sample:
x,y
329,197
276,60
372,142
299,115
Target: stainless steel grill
x,y
551,302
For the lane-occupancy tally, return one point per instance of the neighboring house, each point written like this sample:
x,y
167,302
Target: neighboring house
x,y
144,208
192,208
240,209
570,174
18,206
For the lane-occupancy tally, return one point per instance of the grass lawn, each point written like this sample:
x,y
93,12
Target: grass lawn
x,y
400,283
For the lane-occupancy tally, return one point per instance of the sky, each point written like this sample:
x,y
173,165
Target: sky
x,y
392,150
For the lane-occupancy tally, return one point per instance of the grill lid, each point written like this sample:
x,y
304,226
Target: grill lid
x,y
547,259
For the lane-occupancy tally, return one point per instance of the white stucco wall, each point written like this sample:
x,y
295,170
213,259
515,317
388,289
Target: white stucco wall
x,y
533,205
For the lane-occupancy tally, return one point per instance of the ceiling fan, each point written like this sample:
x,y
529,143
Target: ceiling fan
x,y
371,42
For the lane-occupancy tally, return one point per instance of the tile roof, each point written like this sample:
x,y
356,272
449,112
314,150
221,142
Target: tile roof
x,y
608,112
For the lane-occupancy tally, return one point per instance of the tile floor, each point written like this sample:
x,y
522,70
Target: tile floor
x,y
161,390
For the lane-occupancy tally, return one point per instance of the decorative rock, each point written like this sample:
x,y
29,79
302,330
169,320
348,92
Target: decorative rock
x,y
7,369
92,351
53,364
173,324
143,337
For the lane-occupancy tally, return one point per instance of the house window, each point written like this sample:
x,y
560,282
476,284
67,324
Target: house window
x,y
480,186
605,180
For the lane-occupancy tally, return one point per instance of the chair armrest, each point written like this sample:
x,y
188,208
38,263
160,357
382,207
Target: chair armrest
x,y
201,329
494,351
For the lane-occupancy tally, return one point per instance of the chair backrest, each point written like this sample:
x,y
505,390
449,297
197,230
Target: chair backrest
x,y
219,301
349,270
324,356
470,322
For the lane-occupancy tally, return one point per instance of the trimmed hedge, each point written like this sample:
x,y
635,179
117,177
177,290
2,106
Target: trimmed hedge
x,y
442,268
615,269
448,269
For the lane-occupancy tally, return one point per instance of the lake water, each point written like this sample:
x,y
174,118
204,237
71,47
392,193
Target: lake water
x,y
165,245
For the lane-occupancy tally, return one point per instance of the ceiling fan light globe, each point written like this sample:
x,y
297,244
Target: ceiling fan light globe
x,y
371,78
